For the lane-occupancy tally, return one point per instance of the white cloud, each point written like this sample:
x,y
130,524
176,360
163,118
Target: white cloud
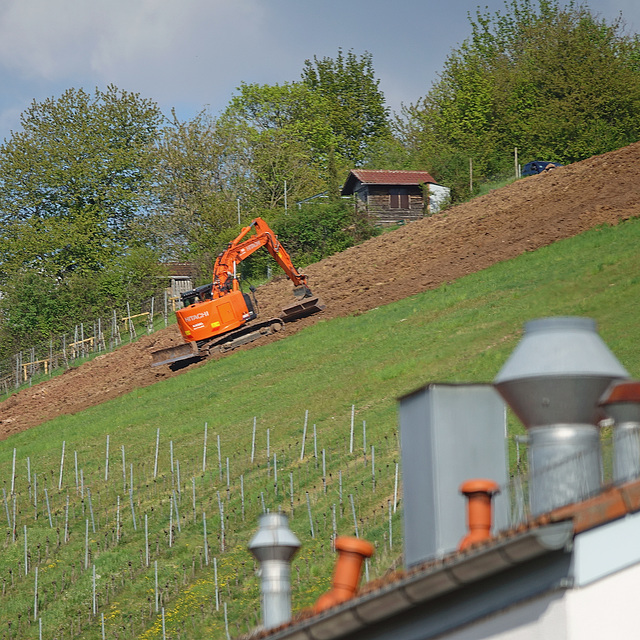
x,y
57,39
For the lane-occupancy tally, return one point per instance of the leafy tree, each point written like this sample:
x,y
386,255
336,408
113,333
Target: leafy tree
x,y
355,108
204,168
284,120
554,81
73,182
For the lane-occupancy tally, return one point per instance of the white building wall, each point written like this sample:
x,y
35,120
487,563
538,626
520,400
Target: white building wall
x,y
606,609
542,618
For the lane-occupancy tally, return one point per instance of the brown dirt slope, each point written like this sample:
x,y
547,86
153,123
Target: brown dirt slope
x,y
524,216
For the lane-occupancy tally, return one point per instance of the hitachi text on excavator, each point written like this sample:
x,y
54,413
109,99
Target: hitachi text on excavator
x,y
220,317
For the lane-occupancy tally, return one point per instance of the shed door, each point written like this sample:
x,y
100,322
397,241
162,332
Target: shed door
x,y
398,198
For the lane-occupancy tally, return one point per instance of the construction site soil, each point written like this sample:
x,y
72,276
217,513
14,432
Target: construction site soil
x,y
520,217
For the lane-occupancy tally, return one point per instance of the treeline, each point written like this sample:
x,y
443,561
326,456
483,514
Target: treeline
x,y
98,190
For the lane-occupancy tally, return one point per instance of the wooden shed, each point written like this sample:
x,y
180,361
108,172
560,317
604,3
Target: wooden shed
x,y
392,197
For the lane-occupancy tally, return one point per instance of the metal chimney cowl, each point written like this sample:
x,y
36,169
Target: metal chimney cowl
x,y
553,381
274,545
621,403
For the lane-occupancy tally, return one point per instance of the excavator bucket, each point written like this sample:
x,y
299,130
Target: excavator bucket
x,y
187,351
302,309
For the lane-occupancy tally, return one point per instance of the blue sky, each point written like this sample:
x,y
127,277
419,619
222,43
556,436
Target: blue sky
x,y
189,54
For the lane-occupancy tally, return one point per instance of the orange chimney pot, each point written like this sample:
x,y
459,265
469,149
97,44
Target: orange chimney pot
x,y
352,553
479,493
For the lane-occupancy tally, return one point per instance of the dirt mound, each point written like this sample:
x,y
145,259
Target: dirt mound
x,y
524,216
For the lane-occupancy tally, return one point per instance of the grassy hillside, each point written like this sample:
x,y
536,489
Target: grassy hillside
x,y
463,331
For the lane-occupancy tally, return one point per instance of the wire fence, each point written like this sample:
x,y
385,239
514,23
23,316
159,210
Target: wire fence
x,y
614,461
85,340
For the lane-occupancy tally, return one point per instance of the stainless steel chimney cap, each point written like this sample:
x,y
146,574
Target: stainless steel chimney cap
x,y
274,540
561,346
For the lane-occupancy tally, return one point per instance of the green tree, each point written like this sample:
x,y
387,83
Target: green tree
x,y
73,184
555,81
204,167
355,105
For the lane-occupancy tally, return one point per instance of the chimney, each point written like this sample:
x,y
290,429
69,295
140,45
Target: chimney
x,y
449,433
274,545
553,381
352,553
479,494
621,403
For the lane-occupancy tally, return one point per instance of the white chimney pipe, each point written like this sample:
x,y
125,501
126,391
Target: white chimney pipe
x,y
274,545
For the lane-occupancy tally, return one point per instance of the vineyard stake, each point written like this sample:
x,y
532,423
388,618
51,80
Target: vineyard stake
x,y
66,520
61,467
86,544
170,521
304,433
106,462
26,555
146,540
175,506
215,580
35,599
13,472
253,440
204,450
124,471
353,409
75,460
93,522
155,466
390,527
206,545
155,564
395,491
133,513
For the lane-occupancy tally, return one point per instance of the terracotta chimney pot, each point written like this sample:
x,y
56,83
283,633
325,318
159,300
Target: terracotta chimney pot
x,y
352,553
479,493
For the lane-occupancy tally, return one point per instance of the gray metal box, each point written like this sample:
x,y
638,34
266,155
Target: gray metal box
x,y
449,433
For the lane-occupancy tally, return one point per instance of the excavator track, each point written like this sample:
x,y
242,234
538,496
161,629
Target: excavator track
x,y
243,335
185,354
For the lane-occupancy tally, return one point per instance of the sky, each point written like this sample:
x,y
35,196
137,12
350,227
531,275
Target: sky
x,y
193,54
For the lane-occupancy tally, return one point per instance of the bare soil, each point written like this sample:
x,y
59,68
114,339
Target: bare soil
x,y
523,216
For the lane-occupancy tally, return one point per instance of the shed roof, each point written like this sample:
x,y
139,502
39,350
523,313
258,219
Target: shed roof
x,y
179,268
384,177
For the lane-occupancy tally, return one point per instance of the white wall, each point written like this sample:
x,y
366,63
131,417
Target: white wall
x,y
542,618
438,196
607,608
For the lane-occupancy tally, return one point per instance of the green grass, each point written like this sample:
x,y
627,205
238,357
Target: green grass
x,y
462,331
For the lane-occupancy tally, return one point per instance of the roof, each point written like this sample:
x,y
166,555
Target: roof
x,y
383,177
403,590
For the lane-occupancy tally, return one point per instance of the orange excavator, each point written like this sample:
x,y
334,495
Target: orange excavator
x,y
220,317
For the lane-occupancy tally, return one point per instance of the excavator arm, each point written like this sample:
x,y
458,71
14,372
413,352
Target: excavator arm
x,y
224,271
